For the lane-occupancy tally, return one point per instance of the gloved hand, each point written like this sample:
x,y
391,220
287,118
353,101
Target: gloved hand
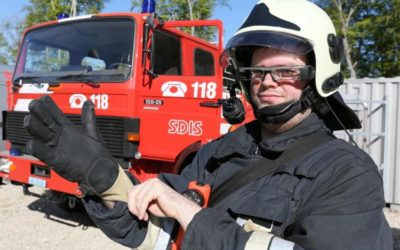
x,y
77,154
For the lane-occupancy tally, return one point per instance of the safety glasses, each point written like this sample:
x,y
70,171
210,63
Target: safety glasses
x,y
279,74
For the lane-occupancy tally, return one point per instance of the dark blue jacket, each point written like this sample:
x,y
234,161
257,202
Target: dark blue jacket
x,y
329,198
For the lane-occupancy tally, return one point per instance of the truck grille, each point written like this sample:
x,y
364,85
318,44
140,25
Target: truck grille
x,y
112,129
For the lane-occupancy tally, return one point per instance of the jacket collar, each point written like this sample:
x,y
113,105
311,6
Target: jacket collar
x,y
245,141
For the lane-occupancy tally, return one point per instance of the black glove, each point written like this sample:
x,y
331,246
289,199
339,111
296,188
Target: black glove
x,y
77,154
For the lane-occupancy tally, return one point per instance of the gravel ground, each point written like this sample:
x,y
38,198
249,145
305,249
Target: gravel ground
x,y
393,217
37,222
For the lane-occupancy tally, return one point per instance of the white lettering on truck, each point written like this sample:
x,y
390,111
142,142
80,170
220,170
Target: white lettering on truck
x,y
182,127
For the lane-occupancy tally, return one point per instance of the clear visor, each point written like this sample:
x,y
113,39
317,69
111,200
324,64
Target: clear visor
x,y
278,41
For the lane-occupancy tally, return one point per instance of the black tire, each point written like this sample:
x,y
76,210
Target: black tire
x,y
67,202
25,189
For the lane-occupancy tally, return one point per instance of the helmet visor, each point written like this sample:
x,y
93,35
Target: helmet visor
x,y
278,41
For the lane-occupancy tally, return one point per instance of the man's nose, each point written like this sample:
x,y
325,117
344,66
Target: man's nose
x,y
268,80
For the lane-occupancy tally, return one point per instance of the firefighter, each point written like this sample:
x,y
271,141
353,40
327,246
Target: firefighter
x,y
327,194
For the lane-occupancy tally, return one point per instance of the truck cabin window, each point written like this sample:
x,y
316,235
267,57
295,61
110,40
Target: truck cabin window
x,y
203,63
97,50
166,54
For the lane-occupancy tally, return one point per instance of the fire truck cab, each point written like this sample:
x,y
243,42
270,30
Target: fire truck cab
x,y
156,88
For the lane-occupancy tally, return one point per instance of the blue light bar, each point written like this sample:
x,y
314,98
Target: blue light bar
x,y
62,16
148,6
15,152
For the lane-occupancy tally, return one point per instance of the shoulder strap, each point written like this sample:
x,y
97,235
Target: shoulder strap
x,y
265,166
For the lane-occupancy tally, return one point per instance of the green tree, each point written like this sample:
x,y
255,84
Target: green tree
x,y
44,10
186,10
39,11
371,31
9,40
3,44
381,47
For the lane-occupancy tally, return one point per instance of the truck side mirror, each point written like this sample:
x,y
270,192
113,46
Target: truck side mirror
x,y
151,24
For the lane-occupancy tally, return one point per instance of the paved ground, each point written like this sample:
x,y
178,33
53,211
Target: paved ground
x,y
36,222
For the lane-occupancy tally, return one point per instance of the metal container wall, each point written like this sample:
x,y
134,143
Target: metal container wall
x,y
377,103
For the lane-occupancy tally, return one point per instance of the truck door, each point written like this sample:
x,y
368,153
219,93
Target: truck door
x,y
181,102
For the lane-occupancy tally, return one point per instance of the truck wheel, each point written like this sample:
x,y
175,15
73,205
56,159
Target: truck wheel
x,y
65,201
70,203
25,189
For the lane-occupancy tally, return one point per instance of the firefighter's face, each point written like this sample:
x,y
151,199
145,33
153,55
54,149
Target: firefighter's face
x,y
265,90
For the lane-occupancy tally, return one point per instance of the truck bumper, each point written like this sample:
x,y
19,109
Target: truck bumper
x,y
27,169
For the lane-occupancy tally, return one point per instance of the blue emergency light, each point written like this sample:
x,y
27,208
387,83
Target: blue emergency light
x,y
62,16
148,6
15,152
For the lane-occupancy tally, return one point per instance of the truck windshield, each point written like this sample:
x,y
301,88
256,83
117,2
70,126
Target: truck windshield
x,y
96,50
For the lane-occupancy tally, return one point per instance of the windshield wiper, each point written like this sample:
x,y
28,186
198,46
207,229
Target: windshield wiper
x,y
81,77
19,81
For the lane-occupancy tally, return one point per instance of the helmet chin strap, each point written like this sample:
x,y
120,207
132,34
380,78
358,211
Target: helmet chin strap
x,y
283,112
279,113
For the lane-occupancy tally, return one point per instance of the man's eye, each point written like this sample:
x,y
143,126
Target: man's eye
x,y
286,72
257,73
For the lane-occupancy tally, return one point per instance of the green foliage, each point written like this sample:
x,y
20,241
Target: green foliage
x,y
44,10
373,34
9,41
39,11
3,43
180,10
380,46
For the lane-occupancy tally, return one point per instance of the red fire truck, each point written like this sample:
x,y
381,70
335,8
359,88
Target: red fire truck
x,y
156,87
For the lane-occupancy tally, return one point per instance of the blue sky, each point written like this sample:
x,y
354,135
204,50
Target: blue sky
x,y
11,9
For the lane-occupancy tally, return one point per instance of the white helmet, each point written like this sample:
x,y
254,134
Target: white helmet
x,y
300,27
296,26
